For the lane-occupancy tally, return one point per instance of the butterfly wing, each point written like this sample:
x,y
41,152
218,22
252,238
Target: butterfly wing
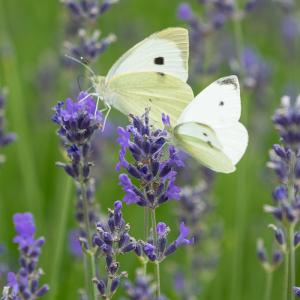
x,y
203,144
234,140
166,52
217,105
131,93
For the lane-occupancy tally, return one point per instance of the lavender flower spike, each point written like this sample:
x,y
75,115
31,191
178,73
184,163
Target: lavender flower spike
x,y
24,284
154,171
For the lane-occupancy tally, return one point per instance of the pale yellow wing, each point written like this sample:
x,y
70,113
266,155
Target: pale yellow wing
x,y
166,51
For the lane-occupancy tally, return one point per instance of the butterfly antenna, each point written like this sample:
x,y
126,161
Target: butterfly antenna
x,y
81,63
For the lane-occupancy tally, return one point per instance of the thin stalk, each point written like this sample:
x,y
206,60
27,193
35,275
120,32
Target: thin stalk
x,y
291,228
286,290
269,284
292,261
146,232
157,268
91,256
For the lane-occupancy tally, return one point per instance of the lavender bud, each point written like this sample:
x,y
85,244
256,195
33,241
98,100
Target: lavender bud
x,y
42,291
296,238
171,249
129,247
277,257
124,239
114,285
101,286
261,252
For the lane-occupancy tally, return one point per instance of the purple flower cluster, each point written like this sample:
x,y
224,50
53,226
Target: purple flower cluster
x,y
158,250
84,18
88,9
25,283
151,167
112,239
5,138
78,121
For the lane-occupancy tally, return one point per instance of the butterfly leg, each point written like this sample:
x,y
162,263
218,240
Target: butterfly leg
x,y
106,116
88,95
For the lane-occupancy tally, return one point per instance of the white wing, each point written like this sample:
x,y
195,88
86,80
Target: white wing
x,y
234,141
166,52
217,105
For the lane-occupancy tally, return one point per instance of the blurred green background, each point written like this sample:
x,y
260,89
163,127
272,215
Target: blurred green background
x,y
31,36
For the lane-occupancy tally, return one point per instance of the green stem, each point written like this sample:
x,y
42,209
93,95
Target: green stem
x,y
91,256
286,290
292,261
269,283
157,268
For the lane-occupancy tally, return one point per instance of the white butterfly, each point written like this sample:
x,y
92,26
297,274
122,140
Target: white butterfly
x,y
151,74
209,127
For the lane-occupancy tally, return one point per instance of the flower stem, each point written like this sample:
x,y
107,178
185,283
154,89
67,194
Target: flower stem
x,y
91,256
269,283
286,289
157,268
292,261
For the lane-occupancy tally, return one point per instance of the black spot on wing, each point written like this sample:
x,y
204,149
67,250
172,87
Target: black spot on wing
x,y
229,81
161,74
159,60
221,103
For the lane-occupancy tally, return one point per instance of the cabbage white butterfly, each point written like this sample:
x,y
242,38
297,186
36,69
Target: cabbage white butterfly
x,y
209,127
151,74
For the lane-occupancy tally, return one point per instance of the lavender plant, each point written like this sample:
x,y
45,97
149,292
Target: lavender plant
x,y
284,160
87,43
153,168
77,122
111,240
5,138
25,283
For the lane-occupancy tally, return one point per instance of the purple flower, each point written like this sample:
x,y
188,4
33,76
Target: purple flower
x,y
184,12
74,244
24,284
130,196
111,239
182,238
12,283
25,228
150,166
161,229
